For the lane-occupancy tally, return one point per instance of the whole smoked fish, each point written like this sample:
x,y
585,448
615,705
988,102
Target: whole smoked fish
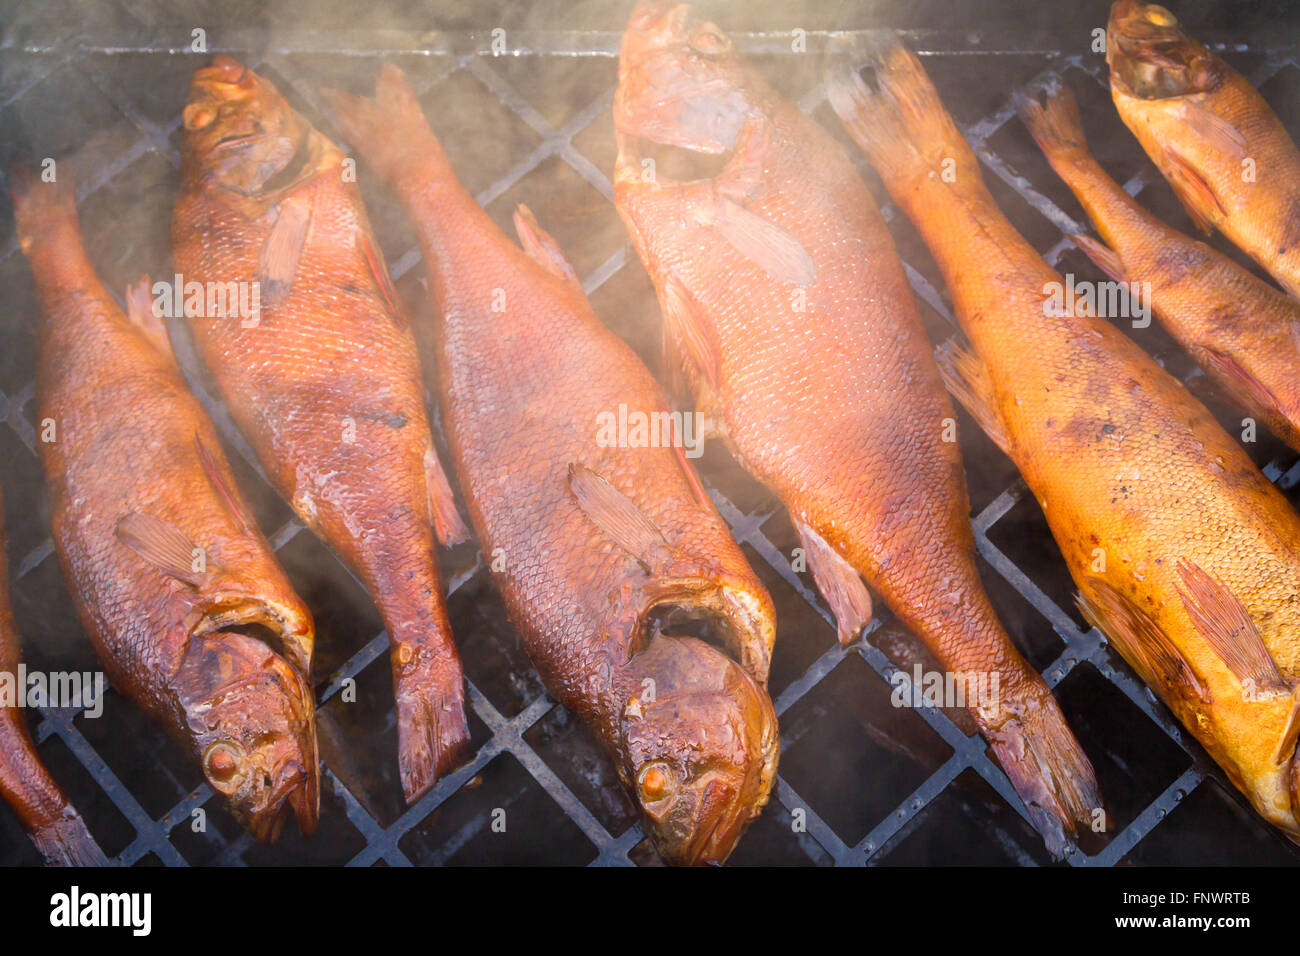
x,y
1212,135
26,785
1186,556
324,379
163,560
599,549
1241,329
785,301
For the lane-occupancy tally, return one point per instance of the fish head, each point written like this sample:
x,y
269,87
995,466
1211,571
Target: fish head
x,y
699,746
1152,58
680,82
240,130
252,721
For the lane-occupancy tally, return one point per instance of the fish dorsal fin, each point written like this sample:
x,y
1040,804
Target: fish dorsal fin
x,y
1103,256
163,546
447,524
1241,381
228,495
139,310
686,323
838,581
775,251
282,250
1221,135
965,376
379,272
616,514
1193,192
1142,643
1223,621
542,247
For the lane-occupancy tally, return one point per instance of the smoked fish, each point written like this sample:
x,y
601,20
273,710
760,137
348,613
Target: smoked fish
x,y
1241,330
191,615
1186,557
323,377
26,785
602,548
1223,150
787,309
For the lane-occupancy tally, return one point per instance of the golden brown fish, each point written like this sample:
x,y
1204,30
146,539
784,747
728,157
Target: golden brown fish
x,y
26,785
1187,558
601,547
1241,329
324,377
1216,140
785,299
164,563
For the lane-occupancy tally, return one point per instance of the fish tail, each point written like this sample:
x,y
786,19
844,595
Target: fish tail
x,y
1045,764
67,842
41,203
432,732
388,131
900,123
1055,123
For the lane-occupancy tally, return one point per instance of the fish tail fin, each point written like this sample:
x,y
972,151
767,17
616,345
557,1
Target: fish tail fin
x,y
1054,122
389,131
900,124
67,842
40,202
432,732
1046,765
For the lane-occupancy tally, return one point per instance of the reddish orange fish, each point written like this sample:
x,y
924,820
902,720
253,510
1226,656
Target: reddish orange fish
x,y
602,548
45,813
786,304
170,575
323,376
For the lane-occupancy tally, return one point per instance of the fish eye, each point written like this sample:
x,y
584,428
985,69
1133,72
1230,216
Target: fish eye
x,y
710,40
198,116
222,762
655,782
1160,16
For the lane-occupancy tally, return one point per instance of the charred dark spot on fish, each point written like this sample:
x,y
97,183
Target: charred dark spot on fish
x,y
1177,260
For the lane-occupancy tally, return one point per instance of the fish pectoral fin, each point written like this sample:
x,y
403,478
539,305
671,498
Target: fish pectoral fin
x,y
1222,136
162,545
616,515
448,526
379,272
1103,256
838,581
1223,621
1193,192
139,309
1285,752
282,250
542,247
1142,643
229,497
1238,379
686,323
965,376
767,245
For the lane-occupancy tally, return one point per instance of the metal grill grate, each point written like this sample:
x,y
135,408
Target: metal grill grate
x,y
872,784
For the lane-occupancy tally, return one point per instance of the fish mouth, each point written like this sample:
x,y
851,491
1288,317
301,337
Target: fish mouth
x,y
284,630
734,616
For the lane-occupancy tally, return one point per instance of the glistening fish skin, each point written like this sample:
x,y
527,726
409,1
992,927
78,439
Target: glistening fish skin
x,y
326,381
1242,330
589,542
1211,134
26,785
784,299
154,539
1187,557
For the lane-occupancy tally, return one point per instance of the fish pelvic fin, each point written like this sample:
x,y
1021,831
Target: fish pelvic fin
x,y
1223,621
139,310
901,125
686,323
67,842
1103,256
616,515
1045,764
448,525
542,247
966,378
1250,391
838,581
1143,644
